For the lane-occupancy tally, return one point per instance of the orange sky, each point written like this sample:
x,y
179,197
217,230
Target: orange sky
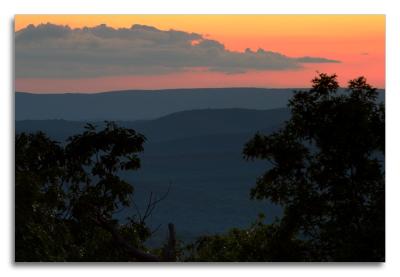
x,y
358,41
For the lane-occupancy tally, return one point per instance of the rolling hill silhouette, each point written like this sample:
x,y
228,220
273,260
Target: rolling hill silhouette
x,y
143,104
184,124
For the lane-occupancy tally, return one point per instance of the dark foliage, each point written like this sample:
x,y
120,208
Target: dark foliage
x,y
328,174
65,196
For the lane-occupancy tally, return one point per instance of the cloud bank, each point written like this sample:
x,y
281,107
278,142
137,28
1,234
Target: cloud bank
x,y
54,51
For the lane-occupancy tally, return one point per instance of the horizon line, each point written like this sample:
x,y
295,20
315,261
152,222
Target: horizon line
x,y
157,90
170,89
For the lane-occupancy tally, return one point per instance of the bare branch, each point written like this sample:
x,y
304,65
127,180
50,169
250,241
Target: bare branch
x,y
151,205
156,229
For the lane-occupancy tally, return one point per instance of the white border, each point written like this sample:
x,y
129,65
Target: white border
x,y
10,8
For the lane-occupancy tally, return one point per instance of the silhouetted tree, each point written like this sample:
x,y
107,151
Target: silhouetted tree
x,y
39,200
328,175
66,196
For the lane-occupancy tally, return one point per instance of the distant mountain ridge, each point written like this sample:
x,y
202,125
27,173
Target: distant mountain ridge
x,y
142,104
177,125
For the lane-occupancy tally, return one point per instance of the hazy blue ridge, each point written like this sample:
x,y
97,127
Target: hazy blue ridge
x,y
137,105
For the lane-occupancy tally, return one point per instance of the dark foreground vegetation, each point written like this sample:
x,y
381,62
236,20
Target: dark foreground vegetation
x,y
327,173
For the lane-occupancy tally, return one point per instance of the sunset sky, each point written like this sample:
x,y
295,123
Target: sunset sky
x,y
93,53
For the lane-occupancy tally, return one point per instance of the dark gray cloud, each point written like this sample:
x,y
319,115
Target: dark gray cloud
x,y
54,51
